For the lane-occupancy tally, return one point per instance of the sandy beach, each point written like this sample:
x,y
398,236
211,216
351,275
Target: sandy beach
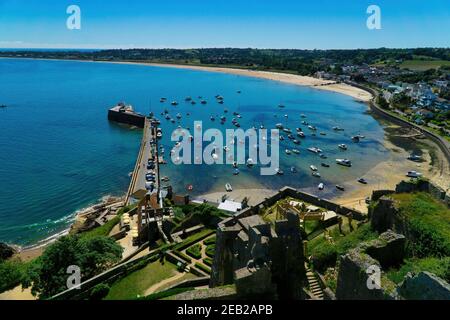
x,y
343,88
356,93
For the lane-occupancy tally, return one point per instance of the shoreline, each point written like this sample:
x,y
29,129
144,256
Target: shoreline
x,y
392,169
306,81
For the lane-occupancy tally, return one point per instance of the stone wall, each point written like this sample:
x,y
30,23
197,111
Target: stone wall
x,y
424,286
354,276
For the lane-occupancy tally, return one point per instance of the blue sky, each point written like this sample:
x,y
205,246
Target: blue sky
x,y
320,24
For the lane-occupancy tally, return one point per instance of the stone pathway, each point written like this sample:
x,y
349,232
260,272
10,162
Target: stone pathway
x,y
314,286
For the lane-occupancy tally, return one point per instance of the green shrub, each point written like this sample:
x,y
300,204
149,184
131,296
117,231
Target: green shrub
x,y
195,251
11,274
210,250
210,240
324,256
208,261
440,267
182,256
203,267
99,291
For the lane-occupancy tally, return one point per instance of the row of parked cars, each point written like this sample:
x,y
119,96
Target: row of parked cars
x,y
150,177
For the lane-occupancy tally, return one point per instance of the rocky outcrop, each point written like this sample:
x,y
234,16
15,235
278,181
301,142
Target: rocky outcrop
x,y
354,276
383,214
6,251
355,279
424,286
388,249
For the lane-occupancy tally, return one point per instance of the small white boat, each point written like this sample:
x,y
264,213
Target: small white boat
x,y
250,162
228,187
315,150
279,172
296,151
288,151
344,162
313,168
343,146
320,186
316,174
279,126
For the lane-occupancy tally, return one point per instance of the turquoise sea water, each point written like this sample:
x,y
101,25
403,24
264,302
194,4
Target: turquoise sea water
x,y
58,152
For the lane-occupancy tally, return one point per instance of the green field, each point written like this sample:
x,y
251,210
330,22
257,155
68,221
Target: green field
x,y
422,65
139,281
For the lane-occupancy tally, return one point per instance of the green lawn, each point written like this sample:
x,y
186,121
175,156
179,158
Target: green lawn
x,y
139,281
422,65
440,267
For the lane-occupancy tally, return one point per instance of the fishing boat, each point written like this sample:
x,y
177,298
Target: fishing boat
x,y
344,162
296,151
343,146
279,126
302,115
163,100
203,102
313,168
293,170
279,172
287,130
281,106
312,128
193,102
212,118
235,165
296,141
290,136
178,115
236,172
316,174
287,151
362,180
355,138
220,101
250,162
281,138
339,187
323,156
325,165
338,129
314,150
323,134
174,103
188,99
228,187
304,122
301,134
320,186
165,179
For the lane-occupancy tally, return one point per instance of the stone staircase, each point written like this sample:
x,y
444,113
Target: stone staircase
x,y
314,286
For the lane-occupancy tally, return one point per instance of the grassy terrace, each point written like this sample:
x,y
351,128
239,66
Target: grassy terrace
x,y
429,240
139,281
